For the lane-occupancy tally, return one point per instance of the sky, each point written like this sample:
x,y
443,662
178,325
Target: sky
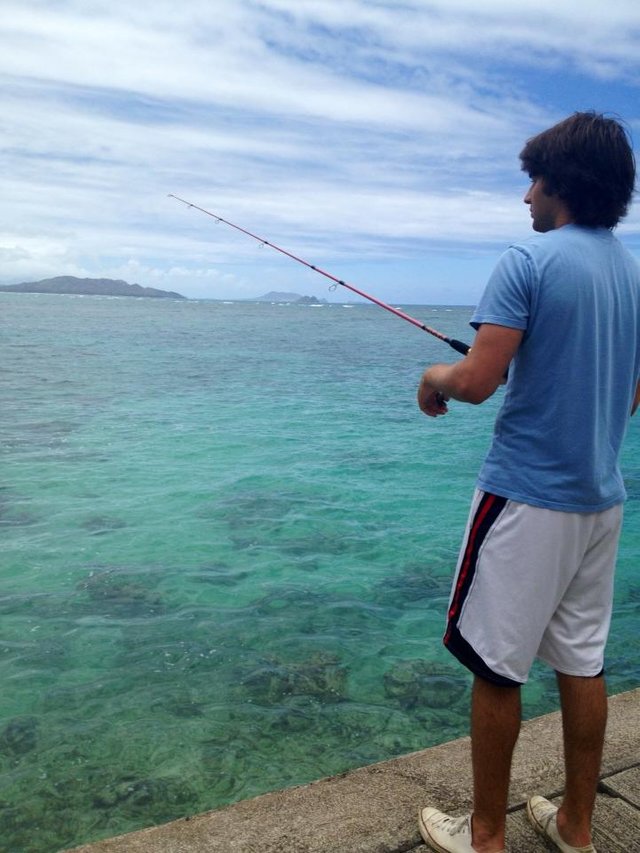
x,y
376,139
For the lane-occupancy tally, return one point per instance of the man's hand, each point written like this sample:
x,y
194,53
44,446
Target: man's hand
x,y
475,377
430,401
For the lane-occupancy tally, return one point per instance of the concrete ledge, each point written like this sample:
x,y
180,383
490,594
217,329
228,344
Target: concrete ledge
x,y
373,809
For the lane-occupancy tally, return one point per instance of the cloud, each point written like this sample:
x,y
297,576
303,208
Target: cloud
x,y
371,130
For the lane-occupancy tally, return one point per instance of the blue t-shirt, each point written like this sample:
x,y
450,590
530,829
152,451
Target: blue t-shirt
x,y
575,292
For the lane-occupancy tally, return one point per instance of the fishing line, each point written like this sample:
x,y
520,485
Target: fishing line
x,y
458,346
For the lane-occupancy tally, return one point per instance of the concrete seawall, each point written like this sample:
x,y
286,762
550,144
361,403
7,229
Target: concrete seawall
x,y
373,809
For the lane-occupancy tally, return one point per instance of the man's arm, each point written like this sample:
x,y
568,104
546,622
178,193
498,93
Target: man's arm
x,y
636,400
476,377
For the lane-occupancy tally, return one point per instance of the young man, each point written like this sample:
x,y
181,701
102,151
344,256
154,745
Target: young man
x,y
561,316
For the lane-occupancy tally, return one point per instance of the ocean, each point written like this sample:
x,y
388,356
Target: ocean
x,y
226,541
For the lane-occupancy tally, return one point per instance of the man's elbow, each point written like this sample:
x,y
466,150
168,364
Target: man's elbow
x,y
476,397
475,392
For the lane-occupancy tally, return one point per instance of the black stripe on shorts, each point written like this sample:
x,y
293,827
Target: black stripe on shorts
x,y
486,515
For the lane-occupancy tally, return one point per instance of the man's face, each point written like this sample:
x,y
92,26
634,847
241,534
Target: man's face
x,y
547,211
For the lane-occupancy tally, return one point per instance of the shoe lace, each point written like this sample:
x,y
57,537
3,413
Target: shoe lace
x,y
458,825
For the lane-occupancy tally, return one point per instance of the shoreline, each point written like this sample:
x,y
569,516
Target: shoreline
x,y
373,809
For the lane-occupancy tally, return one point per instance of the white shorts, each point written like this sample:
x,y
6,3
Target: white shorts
x,y
532,583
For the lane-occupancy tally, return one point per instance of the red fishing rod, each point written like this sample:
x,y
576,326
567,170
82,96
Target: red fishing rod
x,y
458,346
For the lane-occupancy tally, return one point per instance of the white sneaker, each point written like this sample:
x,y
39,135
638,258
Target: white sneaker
x,y
542,816
445,834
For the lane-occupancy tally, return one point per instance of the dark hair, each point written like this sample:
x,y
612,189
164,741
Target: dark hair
x,y
587,161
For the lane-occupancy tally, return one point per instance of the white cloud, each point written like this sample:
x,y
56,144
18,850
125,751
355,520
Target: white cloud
x,y
355,129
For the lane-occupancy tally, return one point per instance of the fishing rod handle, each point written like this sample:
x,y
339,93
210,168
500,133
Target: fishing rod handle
x,y
458,346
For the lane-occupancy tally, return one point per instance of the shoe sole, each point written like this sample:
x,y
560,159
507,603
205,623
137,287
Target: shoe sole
x,y
537,826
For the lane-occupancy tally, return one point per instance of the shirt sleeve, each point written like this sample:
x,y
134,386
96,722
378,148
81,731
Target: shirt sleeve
x,y
506,300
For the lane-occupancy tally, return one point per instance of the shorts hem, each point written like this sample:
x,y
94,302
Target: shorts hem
x,y
572,674
459,647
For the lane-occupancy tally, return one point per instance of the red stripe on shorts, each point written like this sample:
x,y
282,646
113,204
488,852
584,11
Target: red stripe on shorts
x,y
477,533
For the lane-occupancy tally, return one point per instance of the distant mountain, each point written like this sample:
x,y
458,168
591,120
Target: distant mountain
x,y
277,296
89,287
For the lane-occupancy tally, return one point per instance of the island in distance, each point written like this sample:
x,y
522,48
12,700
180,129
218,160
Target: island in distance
x,y
89,287
115,287
278,296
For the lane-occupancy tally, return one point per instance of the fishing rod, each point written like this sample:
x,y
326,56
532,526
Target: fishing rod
x,y
458,346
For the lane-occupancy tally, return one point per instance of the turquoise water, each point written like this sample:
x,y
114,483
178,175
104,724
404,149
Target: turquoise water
x,y
227,535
